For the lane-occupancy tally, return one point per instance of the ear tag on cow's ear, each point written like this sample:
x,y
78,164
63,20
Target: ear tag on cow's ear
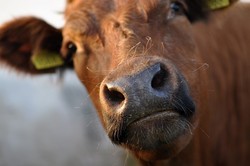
x,y
217,4
44,60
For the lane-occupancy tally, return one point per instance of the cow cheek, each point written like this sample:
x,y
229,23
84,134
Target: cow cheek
x,y
80,68
186,56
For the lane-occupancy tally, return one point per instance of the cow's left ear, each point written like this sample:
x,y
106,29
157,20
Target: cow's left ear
x,y
30,45
200,9
219,4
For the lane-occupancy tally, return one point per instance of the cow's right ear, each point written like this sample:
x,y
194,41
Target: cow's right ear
x,y
30,45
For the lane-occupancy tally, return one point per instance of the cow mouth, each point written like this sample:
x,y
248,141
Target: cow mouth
x,y
155,116
152,131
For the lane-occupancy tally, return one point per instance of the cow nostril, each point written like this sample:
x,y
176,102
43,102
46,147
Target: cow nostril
x,y
113,96
159,79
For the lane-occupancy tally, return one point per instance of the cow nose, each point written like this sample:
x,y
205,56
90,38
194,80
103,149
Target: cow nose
x,y
141,87
114,95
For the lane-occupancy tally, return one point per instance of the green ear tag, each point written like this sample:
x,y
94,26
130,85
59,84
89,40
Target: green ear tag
x,y
45,60
217,4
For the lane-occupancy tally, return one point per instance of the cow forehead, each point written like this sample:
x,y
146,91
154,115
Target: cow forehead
x,y
85,14
99,9
92,17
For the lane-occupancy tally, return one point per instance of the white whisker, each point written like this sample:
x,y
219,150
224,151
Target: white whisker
x,y
204,66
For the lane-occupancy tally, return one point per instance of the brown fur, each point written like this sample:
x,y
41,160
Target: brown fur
x,y
120,38
224,44
16,47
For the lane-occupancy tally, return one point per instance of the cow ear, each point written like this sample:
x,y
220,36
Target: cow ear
x,y
30,45
219,4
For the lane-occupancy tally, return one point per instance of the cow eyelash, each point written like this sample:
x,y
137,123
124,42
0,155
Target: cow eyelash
x,y
176,8
71,50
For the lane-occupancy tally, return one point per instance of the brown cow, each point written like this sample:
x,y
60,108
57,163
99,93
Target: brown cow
x,y
169,78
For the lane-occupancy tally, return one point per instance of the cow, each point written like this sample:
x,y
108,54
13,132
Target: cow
x,y
169,78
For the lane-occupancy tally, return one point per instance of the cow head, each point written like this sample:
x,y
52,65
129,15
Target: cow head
x,y
137,59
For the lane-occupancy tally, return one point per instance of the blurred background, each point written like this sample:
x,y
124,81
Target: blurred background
x,y
44,121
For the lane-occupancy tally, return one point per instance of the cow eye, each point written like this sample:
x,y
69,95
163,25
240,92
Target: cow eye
x,y
71,50
176,8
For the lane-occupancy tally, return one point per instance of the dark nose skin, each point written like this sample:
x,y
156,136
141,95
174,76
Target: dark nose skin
x,y
139,89
152,89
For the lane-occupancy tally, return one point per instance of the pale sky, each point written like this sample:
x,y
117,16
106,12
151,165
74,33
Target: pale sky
x,y
47,9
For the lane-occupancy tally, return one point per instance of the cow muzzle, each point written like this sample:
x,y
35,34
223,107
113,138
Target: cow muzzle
x,y
145,94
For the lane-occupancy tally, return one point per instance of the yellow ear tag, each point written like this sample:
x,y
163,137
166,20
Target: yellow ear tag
x,y
45,60
217,4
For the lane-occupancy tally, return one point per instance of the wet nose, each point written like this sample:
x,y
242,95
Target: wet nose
x,y
151,85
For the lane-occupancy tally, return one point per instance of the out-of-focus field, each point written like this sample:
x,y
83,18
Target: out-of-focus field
x,y
44,123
